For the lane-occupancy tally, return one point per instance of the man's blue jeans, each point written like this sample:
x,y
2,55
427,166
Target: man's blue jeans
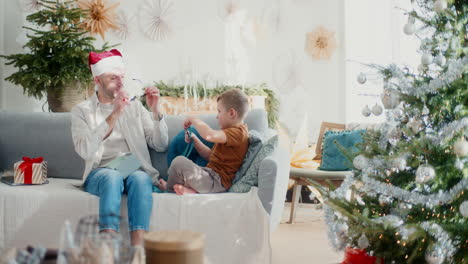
x,y
109,185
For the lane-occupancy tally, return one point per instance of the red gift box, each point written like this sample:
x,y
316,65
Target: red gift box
x,y
359,256
30,171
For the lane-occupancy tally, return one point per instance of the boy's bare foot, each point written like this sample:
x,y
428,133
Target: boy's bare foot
x,y
162,185
181,190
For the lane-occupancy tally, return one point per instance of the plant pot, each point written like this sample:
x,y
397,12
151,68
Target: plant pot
x,y
63,100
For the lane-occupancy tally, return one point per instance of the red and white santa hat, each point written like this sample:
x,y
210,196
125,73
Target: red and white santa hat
x,y
107,61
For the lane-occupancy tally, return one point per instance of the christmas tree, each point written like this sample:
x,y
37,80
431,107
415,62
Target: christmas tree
x,y
57,50
407,201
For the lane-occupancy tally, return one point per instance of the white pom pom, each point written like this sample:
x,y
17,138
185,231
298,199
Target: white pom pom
x,y
360,162
460,148
426,59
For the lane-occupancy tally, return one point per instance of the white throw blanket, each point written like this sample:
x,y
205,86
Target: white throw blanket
x,y
236,225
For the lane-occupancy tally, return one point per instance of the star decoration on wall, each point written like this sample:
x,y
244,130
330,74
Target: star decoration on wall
x,y
101,15
320,43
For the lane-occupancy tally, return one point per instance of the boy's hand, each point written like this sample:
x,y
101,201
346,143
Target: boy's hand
x,y
187,123
189,136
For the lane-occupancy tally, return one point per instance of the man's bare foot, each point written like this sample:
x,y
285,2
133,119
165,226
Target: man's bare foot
x,y
181,190
162,185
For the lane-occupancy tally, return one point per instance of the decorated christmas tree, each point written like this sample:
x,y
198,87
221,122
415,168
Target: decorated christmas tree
x,y
407,201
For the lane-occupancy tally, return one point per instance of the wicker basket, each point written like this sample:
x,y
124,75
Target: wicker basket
x,y
64,99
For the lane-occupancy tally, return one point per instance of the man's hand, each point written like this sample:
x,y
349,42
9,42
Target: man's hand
x,y
152,98
120,102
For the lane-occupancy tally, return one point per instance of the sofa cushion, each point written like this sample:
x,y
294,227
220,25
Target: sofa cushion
x,y
333,159
40,134
249,179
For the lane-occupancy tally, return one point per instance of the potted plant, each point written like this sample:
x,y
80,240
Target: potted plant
x,y
56,64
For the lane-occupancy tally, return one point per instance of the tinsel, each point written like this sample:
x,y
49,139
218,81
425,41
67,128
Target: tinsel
x,y
444,246
455,68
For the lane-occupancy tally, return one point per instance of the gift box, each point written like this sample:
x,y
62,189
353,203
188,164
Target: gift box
x,y
30,171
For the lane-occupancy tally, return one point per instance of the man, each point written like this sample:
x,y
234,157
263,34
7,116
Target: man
x,y
109,125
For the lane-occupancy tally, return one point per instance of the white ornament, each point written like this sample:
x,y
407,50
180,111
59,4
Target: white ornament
x,y
459,164
460,148
426,59
361,78
377,110
363,242
409,28
440,6
433,257
440,60
390,99
425,173
366,111
425,110
360,162
415,125
464,209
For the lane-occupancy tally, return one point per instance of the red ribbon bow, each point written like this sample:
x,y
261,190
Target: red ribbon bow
x,y
26,168
359,256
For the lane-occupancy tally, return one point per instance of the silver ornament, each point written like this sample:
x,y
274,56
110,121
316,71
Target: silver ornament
x,y
361,78
440,60
390,99
440,6
464,209
433,257
360,162
366,111
377,110
426,59
459,164
409,28
425,173
460,147
363,242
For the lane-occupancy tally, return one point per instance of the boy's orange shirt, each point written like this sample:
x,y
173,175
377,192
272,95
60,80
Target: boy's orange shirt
x,y
226,159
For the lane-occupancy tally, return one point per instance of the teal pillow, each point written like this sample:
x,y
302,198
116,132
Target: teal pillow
x,y
269,141
255,144
332,157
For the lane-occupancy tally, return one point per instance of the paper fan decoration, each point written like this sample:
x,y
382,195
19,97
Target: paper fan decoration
x,y
227,8
123,23
320,44
287,74
155,19
101,15
271,15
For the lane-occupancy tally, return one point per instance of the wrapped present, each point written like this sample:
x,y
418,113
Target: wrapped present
x,y
30,171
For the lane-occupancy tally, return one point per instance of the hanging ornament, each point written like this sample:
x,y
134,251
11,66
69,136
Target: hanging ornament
x,y
425,110
377,110
363,242
426,59
440,60
459,164
440,6
460,147
366,111
433,257
409,28
425,173
361,78
390,99
464,209
360,162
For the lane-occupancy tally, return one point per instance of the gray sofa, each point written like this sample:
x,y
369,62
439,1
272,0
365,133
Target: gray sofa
x,y
48,135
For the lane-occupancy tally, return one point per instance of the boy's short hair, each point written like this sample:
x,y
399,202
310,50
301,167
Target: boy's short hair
x,y
236,99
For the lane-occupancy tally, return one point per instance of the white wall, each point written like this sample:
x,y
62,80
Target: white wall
x,y
374,35
198,44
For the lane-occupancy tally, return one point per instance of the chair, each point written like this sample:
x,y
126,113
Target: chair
x,y
300,175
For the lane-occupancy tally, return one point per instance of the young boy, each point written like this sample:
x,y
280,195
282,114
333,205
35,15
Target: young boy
x,y
231,144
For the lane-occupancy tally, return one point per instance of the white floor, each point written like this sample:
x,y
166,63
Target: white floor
x,y
305,241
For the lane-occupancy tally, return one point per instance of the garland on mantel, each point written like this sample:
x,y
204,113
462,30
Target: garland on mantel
x,y
271,102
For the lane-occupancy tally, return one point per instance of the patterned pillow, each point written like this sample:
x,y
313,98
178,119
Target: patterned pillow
x,y
255,144
269,141
332,157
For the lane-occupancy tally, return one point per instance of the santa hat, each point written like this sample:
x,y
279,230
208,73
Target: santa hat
x,y
107,61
